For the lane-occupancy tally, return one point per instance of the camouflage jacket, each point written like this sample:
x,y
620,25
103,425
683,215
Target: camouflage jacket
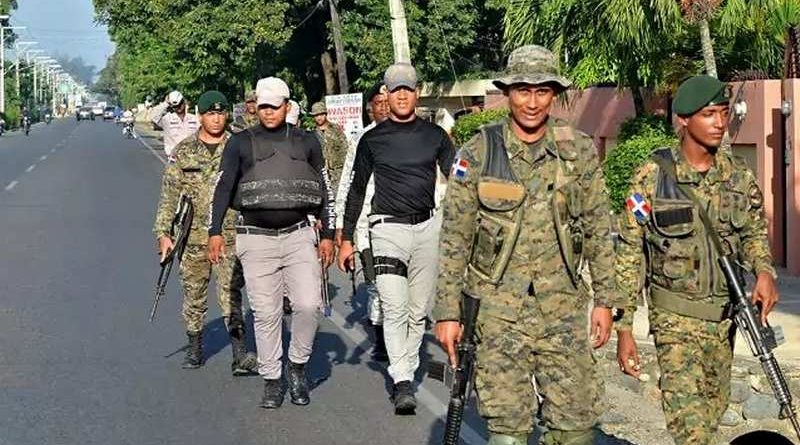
x,y
668,246
195,174
334,149
244,122
560,174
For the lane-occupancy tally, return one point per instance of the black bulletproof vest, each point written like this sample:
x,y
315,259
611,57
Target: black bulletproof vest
x,y
280,178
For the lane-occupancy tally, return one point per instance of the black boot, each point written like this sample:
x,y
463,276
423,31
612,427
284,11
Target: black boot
x,y
244,362
298,387
194,352
379,353
404,402
273,394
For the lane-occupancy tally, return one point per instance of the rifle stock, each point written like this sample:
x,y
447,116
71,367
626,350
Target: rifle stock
x,y
181,225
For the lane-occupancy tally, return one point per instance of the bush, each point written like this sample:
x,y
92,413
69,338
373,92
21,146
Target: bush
x,y
466,127
620,164
646,125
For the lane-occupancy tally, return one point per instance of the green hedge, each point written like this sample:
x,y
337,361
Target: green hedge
x,y
466,127
646,125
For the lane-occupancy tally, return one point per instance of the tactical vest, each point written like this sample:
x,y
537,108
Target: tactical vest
x,y
684,274
280,178
500,215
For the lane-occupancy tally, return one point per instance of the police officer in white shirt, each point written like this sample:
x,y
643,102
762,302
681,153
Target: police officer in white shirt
x,y
172,117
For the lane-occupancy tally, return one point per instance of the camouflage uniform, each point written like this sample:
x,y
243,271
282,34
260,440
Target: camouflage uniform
x,y
686,286
334,149
244,122
195,173
533,321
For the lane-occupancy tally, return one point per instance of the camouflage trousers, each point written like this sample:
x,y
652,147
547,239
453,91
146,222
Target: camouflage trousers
x,y
196,271
554,350
695,358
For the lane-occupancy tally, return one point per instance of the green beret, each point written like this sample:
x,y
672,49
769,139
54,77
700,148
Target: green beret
x,y
212,101
698,92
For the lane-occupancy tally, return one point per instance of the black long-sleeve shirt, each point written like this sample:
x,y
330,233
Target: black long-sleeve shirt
x,y
238,158
403,156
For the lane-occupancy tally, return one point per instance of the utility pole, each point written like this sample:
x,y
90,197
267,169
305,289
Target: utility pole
x,y
402,51
341,59
3,61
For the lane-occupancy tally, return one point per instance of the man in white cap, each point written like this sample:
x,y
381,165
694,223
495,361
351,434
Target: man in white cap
x,y
275,176
403,153
177,124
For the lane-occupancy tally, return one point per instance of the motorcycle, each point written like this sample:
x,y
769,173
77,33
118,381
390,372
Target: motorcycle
x,y
48,118
2,126
127,130
26,123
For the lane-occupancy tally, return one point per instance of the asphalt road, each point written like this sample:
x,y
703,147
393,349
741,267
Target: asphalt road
x,y
80,364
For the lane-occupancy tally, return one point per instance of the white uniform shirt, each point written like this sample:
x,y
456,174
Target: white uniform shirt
x,y
175,128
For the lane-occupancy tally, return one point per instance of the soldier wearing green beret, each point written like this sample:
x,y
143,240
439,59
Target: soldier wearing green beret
x,y
194,174
526,206
665,249
332,139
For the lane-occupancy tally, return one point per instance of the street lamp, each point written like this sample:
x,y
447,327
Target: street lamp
x,y
3,62
16,56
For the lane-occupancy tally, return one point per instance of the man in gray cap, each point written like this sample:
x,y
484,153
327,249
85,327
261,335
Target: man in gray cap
x,y
275,176
403,153
525,207
690,313
334,143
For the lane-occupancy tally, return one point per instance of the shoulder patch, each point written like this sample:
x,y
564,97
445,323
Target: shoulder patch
x,y
563,133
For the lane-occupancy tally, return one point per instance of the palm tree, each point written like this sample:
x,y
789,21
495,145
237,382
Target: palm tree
x,y
700,12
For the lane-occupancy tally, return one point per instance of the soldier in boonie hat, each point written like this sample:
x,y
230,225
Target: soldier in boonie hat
x,y
318,108
534,65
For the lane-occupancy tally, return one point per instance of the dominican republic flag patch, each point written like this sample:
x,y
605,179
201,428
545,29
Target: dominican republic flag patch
x,y
639,207
460,168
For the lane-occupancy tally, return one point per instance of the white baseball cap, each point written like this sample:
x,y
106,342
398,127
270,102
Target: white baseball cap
x,y
271,91
175,98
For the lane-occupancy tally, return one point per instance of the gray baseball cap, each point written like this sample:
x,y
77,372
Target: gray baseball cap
x,y
400,75
531,64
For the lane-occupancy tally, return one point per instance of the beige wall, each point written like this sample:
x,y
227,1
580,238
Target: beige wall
x,y
792,90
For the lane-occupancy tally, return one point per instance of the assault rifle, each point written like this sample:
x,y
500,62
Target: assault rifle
x,y
761,339
459,378
179,232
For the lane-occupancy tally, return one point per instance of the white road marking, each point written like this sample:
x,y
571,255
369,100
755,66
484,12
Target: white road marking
x,y
53,150
11,185
425,397
42,158
155,153
30,168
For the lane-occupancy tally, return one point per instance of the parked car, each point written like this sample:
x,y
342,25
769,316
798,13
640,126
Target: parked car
x,y
109,113
85,113
97,111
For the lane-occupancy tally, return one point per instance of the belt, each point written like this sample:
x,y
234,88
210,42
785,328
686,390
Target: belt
x,y
250,230
677,303
408,219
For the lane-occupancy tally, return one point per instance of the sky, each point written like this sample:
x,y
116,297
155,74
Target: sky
x,y
64,27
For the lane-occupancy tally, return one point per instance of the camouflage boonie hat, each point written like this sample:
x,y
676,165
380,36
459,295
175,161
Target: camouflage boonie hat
x,y
318,108
250,96
531,64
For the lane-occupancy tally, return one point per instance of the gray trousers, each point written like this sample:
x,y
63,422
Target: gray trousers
x,y
275,266
405,300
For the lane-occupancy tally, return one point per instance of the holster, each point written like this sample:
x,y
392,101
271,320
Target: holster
x,y
368,265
